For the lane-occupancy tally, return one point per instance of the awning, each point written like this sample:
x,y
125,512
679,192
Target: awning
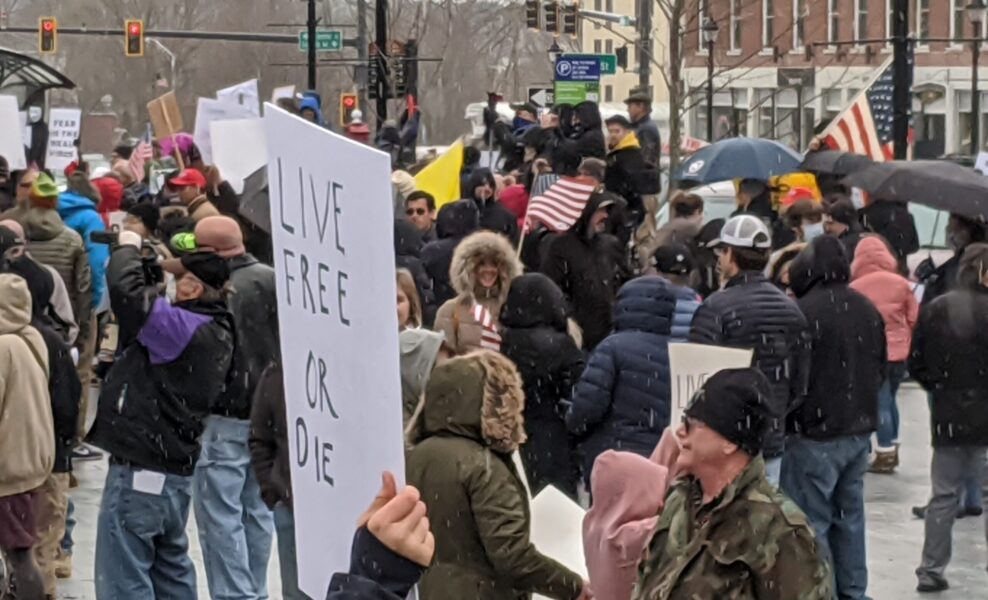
x,y
26,77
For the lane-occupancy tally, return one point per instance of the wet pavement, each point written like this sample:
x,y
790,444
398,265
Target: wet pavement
x,y
895,537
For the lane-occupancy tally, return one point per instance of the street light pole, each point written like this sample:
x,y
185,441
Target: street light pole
x,y
976,13
710,31
311,28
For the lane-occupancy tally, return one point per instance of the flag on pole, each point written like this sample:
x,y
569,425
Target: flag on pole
x,y
865,127
441,178
561,205
142,154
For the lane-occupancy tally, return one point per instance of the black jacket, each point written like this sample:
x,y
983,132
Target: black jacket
x,y
454,222
949,358
629,176
587,139
847,336
894,222
254,308
269,439
376,573
942,279
64,389
408,255
168,377
535,338
493,215
750,312
589,268
650,139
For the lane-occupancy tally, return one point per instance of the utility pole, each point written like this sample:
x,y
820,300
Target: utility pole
x,y
381,24
645,43
902,79
311,25
360,72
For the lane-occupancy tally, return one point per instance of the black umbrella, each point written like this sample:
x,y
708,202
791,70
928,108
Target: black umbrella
x,y
938,184
835,162
255,202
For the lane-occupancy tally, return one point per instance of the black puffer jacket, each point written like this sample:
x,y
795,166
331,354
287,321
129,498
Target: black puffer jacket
x,y
493,215
894,222
589,268
454,222
408,255
949,358
587,138
848,359
535,338
254,308
750,312
167,379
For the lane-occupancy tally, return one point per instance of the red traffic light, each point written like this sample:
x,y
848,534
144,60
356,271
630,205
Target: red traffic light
x,y
48,25
135,29
349,101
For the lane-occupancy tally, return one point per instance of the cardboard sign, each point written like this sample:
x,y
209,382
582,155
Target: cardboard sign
x,y
691,364
64,126
166,118
239,148
286,91
243,94
11,134
209,111
332,231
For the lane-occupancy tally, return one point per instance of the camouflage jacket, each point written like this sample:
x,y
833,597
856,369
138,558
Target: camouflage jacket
x,y
751,542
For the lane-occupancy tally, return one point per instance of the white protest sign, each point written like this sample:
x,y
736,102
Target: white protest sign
x,y
11,134
285,91
244,94
239,148
28,132
691,364
208,111
332,230
63,130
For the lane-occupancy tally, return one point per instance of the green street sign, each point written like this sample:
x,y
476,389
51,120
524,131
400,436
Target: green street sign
x,y
327,40
574,92
608,62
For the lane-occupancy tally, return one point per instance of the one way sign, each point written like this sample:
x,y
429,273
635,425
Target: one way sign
x,y
542,97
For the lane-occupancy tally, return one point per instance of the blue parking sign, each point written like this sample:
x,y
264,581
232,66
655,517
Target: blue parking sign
x,y
577,69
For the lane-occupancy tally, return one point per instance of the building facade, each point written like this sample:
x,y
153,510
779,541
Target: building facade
x,y
777,73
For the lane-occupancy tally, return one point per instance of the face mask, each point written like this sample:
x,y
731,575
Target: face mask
x,y
34,114
812,231
519,122
857,198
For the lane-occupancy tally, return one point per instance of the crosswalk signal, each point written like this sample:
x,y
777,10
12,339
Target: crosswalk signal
x,y
348,104
48,35
134,30
533,14
552,10
570,14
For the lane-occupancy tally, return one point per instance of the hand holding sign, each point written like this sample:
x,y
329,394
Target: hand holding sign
x,y
398,521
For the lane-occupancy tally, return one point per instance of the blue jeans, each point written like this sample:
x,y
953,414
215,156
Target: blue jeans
x,y
284,524
67,542
773,470
888,409
826,480
142,552
235,526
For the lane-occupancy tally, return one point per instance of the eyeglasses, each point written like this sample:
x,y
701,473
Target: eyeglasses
x,y
415,211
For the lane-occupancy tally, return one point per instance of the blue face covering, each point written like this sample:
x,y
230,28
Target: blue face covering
x,y
520,123
812,231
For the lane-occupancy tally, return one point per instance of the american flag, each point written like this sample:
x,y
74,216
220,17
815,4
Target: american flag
x,y
139,158
490,339
865,127
561,205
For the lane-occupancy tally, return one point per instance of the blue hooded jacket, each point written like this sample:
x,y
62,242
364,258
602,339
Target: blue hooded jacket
x,y
312,102
80,214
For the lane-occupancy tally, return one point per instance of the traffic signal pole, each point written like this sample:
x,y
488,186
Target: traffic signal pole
x,y
381,25
311,26
645,42
901,78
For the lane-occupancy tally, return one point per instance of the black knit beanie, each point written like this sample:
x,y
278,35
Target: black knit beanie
x,y
734,403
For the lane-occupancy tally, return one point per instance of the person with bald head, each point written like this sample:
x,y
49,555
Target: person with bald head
x,y
235,526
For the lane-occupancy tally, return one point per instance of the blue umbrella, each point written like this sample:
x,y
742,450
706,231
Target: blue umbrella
x,y
739,158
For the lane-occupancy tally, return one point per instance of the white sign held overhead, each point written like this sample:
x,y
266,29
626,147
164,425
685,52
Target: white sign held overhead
x,y
208,111
11,134
64,125
690,365
285,91
239,148
244,94
334,264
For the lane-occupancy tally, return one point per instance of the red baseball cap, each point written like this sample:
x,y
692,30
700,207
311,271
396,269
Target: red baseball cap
x,y
189,177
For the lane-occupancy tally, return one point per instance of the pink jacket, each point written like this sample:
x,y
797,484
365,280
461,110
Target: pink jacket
x,y
628,493
874,274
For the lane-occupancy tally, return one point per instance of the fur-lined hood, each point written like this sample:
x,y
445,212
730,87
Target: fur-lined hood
x,y
470,253
478,396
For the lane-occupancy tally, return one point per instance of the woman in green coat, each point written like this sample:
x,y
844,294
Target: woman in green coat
x,y
478,507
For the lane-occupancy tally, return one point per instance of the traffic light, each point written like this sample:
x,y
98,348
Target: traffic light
x,y
533,14
134,31
622,56
348,104
570,14
47,35
552,16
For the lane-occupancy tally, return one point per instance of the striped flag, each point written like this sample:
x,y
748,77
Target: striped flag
x,y
490,339
141,155
865,127
561,205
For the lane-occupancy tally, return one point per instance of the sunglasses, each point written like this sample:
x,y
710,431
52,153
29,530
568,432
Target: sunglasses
x,y
415,211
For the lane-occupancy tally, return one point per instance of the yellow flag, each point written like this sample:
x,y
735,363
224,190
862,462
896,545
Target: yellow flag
x,y
442,177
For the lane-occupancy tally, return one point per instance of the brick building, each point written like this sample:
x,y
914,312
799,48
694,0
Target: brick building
x,y
768,86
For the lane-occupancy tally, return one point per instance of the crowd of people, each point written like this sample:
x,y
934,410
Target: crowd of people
x,y
515,337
